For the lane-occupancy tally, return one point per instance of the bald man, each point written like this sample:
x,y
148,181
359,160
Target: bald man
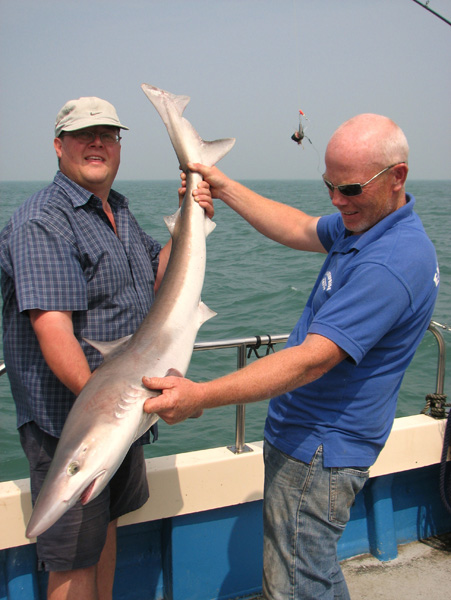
x,y
335,385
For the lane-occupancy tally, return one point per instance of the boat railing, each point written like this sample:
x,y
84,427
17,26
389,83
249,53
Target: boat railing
x,y
434,328
246,345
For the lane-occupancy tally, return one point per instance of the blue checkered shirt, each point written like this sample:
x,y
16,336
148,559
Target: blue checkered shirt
x,y
59,252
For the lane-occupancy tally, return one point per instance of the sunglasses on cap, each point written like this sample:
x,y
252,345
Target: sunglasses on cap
x,y
354,189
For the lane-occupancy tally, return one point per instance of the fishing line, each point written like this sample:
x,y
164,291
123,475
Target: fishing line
x,y
300,134
297,49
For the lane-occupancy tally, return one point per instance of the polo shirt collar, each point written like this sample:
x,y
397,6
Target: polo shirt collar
x,y
358,242
79,196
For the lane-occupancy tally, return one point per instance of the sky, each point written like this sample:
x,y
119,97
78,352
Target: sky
x,y
248,66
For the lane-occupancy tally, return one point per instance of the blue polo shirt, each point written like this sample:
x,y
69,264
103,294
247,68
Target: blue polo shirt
x,y
59,252
374,297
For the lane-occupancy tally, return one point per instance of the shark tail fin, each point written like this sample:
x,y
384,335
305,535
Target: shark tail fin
x,y
159,97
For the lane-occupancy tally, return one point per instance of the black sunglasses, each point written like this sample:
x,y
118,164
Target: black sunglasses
x,y
354,189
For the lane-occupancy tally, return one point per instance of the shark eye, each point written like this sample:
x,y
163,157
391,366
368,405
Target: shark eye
x,y
73,468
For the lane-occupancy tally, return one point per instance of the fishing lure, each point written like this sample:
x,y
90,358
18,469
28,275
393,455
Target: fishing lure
x,y
299,134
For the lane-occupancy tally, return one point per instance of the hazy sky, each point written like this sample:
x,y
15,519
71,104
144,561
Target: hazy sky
x,y
248,65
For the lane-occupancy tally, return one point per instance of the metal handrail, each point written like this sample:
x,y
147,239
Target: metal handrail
x,y
243,345
433,328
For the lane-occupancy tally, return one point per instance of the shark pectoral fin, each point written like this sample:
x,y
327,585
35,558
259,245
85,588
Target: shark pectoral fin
x,y
107,348
212,152
205,313
147,420
171,220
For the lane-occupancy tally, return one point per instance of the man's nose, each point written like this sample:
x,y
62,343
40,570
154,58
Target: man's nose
x,y
97,137
337,198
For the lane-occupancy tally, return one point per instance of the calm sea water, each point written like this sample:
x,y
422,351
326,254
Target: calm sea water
x,y
256,287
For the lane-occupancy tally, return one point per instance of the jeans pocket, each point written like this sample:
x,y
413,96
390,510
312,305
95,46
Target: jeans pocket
x,y
345,483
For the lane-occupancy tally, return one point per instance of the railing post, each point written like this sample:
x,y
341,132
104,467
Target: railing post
x,y
441,362
240,426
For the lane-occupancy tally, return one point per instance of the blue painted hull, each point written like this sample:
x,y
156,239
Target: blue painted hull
x,y
217,554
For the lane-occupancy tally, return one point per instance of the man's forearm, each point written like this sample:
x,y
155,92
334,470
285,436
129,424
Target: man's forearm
x,y
265,378
60,348
280,222
274,374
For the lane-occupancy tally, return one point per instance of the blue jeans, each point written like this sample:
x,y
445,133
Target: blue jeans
x,y
306,508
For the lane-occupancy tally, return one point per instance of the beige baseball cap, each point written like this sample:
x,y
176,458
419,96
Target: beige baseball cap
x,y
86,112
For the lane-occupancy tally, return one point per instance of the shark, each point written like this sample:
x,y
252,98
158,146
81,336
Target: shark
x,y
108,416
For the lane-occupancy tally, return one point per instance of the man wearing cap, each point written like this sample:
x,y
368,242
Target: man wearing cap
x,y
75,264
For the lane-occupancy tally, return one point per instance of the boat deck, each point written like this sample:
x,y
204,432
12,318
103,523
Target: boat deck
x,y
420,571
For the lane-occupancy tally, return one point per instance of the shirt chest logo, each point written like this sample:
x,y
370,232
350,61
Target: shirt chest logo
x,y
326,281
437,277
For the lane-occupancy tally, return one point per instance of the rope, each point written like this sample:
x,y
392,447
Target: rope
x,y
436,403
435,406
254,347
445,479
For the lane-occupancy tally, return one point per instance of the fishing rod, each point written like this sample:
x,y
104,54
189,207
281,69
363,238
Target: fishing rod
x,y
432,11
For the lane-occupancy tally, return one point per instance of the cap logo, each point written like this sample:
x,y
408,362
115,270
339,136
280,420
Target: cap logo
x,y
95,113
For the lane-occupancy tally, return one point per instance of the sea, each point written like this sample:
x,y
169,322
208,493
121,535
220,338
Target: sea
x,y
256,287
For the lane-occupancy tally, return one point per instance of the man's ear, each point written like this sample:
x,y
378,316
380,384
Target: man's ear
x,y
57,144
400,173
